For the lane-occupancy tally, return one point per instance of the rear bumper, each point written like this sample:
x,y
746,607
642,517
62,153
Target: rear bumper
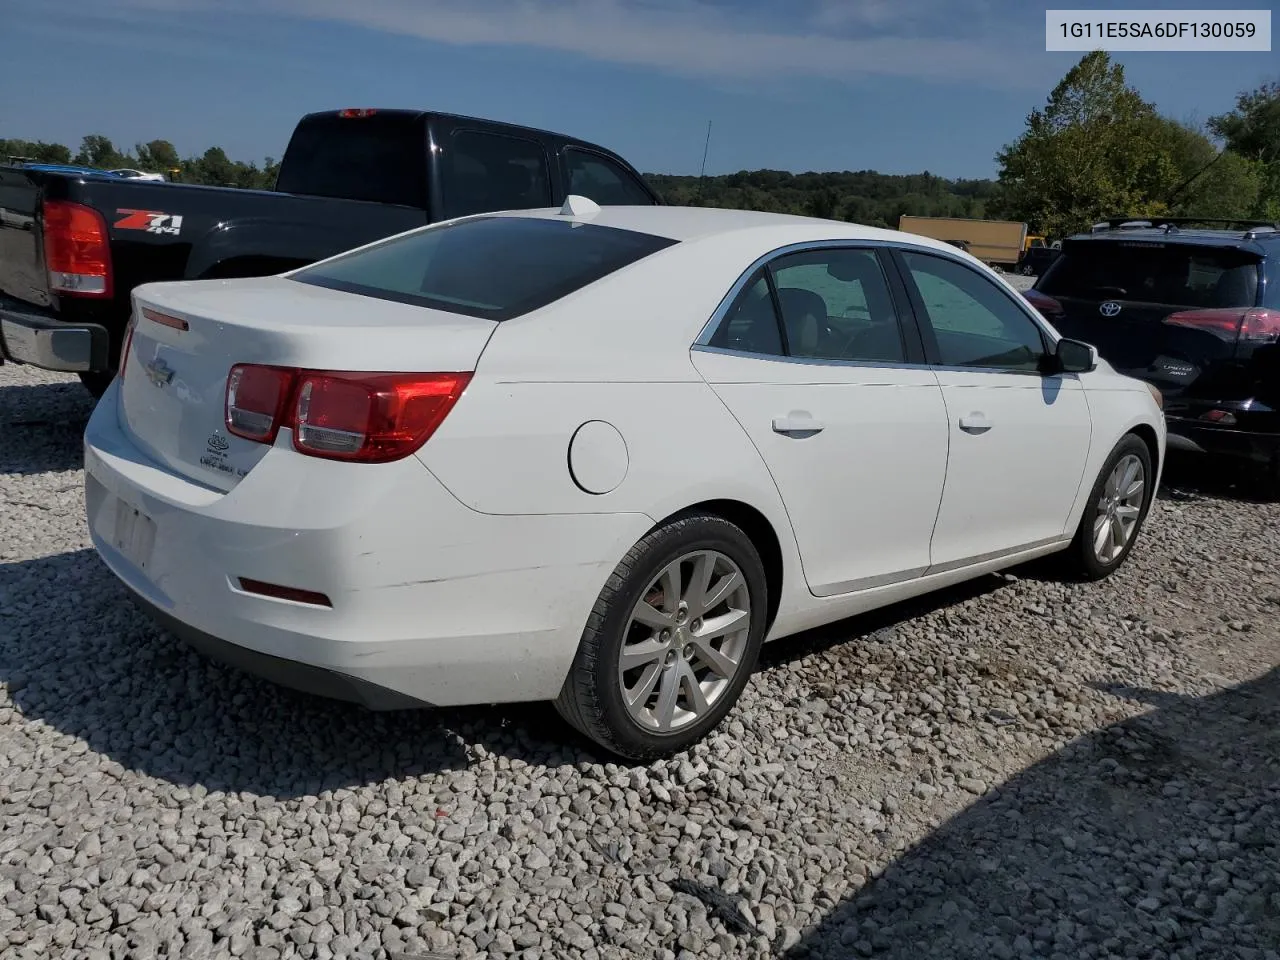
x,y
1194,437
432,602
42,340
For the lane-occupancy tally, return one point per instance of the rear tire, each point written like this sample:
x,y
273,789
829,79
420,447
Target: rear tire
x,y
1114,513
662,658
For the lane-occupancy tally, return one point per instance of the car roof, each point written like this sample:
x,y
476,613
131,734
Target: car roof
x,y
1259,240
696,223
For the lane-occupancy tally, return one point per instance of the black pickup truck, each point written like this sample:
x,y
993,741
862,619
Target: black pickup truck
x,y
73,244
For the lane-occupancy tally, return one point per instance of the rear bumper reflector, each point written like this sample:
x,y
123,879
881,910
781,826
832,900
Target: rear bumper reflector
x,y
277,592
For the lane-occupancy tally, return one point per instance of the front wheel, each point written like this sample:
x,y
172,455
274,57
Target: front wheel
x,y
671,641
1114,514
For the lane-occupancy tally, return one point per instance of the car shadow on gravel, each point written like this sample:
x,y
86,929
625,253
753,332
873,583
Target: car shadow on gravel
x,y
879,624
42,427
1197,477
77,655
1158,836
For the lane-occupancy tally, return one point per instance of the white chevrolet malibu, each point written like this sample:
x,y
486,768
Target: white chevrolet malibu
x,y
596,456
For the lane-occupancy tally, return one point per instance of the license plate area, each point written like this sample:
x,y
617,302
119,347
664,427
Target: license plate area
x,y
134,535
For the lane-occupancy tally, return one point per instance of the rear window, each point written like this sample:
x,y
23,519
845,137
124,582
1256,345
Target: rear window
x,y
381,158
1175,274
491,267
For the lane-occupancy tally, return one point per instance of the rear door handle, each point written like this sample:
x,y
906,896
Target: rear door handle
x,y
796,423
975,423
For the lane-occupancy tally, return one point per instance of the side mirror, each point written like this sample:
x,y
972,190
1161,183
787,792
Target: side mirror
x,y
1075,356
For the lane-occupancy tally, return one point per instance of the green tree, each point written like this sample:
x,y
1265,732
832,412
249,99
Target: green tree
x,y
158,156
36,150
1212,183
1252,130
1096,149
98,151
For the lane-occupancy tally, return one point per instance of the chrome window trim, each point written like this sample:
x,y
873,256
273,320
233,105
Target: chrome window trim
x,y
702,342
810,361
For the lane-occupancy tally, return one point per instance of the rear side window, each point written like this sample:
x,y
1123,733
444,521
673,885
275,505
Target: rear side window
x,y
600,179
1272,293
491,267
486,172
1176,274
379,158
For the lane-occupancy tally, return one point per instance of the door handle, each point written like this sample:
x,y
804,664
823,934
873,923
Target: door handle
x,y
796,423
975,422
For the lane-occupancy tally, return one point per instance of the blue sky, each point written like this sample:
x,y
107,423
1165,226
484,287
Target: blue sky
x,y
893,85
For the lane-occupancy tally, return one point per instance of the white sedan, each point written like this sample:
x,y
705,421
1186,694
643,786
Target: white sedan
x,y
596,456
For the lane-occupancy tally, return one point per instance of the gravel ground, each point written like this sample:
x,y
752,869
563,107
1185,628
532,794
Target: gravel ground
x,y
1017,768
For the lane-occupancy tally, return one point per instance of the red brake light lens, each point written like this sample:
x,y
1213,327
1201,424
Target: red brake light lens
x,y
340,415
356,112
256,398
1251,325
76,252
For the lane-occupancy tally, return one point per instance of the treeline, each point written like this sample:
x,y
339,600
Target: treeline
x,y
864,196
212,168
1096,149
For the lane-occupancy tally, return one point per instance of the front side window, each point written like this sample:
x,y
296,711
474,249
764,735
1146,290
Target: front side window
x,y
600,179
975,323
487,172
491,267
836,305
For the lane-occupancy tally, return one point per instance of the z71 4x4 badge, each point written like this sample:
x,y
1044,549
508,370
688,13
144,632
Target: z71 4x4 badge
x,y
150,221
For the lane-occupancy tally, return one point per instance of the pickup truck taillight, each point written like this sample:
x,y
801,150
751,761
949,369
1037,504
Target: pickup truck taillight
x,y
338,415
76,252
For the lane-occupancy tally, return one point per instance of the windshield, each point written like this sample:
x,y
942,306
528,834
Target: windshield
x,y
491,267
1178,274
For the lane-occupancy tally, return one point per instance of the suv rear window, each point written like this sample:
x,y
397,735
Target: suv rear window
x,y
491,267
1177,274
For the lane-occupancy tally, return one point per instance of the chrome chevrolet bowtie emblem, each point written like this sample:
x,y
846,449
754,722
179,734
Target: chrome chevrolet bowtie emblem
x,y
158,372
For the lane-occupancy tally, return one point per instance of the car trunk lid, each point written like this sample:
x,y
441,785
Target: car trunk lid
x,y
187,336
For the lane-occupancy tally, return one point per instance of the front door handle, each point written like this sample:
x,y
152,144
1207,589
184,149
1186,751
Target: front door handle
x,y
975,423
796,423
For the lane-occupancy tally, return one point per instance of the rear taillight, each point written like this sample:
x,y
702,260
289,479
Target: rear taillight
x,y
256,399
76,252
1251,325
339,415
1047,307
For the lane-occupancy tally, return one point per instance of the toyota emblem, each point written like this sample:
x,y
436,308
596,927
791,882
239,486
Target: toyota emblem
x,y
1109,309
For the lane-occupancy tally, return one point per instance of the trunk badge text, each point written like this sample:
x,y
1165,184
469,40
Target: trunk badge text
x,y
1109,309
158,372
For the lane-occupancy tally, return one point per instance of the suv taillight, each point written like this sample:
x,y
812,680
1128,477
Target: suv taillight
x,y
340,415
1047,307
76,251
1233,324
